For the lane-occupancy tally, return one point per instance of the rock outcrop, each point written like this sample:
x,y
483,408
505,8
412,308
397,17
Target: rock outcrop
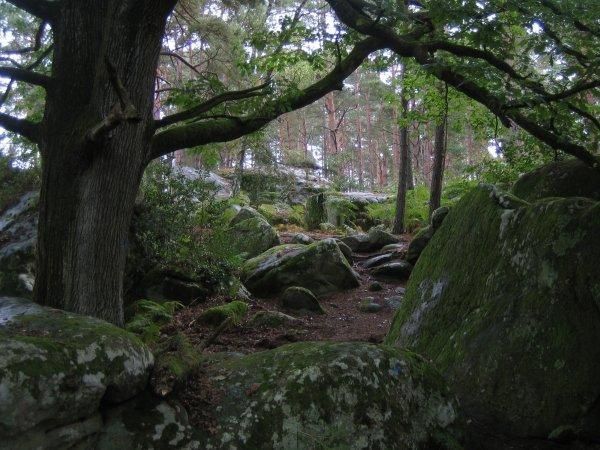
x,y
251,234
568,178
325,395
320,267
56,368
505,300
18,237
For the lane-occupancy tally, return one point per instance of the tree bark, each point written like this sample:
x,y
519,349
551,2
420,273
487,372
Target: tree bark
x,y
403,171
89,181
439,161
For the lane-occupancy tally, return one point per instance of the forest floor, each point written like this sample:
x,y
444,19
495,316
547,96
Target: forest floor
x,y
343,321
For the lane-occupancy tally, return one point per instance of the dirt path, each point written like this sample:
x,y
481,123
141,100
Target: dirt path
x,y
343,320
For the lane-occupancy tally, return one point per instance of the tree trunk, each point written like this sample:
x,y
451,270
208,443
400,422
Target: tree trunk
x,y
439,161
89,185
403,172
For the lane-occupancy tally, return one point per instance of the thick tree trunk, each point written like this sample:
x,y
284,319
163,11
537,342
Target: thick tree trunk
x,y
89,185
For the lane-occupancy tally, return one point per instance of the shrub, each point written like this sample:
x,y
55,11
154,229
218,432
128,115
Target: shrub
x,y
180,227
14,182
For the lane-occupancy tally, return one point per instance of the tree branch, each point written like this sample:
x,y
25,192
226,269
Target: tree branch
x,y
226,129
123,111
423,55
23,127
182,59
36,45
210,104
40,8
27,76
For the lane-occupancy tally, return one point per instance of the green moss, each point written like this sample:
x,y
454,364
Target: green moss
x,y
494,304
235,311
175,359
568,178
330,395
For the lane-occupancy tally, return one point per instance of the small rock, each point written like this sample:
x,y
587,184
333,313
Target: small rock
x,y
438,217
346,251
563,434
272,319
375,286
399,270
326,226
299,298
377,260
394,301
301,238
393,248
400,290
186,292
370,307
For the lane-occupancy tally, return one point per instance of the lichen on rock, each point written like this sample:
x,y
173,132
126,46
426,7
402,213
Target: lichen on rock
x,y
57,367
504,300
320,267
330,395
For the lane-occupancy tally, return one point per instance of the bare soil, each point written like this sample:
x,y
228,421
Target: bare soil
x,y
343,320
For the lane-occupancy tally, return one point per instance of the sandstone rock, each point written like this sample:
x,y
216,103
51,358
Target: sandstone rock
x,y
397,270
504,300
320,267
251,234
56,368
568,178
298,298
330,395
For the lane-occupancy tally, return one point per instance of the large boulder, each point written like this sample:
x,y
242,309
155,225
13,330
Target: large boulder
x,y
568,178
505,300
320,267
56,368
18,237
251,234
329,395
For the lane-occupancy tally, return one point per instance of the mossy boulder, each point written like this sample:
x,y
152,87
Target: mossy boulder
x,y
282,213
330,395
18,237
299,298
505,300
146,422
314,213
301,238
568,178
251,234
216,315
272,319
320,267
56,368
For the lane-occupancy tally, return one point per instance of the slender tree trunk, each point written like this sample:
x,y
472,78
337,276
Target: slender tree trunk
x,y
403,171
89,185
439,161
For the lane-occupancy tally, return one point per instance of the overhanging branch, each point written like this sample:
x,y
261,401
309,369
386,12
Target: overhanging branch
x,y
210,104
422,53
27,76
226,129
23,127
40,8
